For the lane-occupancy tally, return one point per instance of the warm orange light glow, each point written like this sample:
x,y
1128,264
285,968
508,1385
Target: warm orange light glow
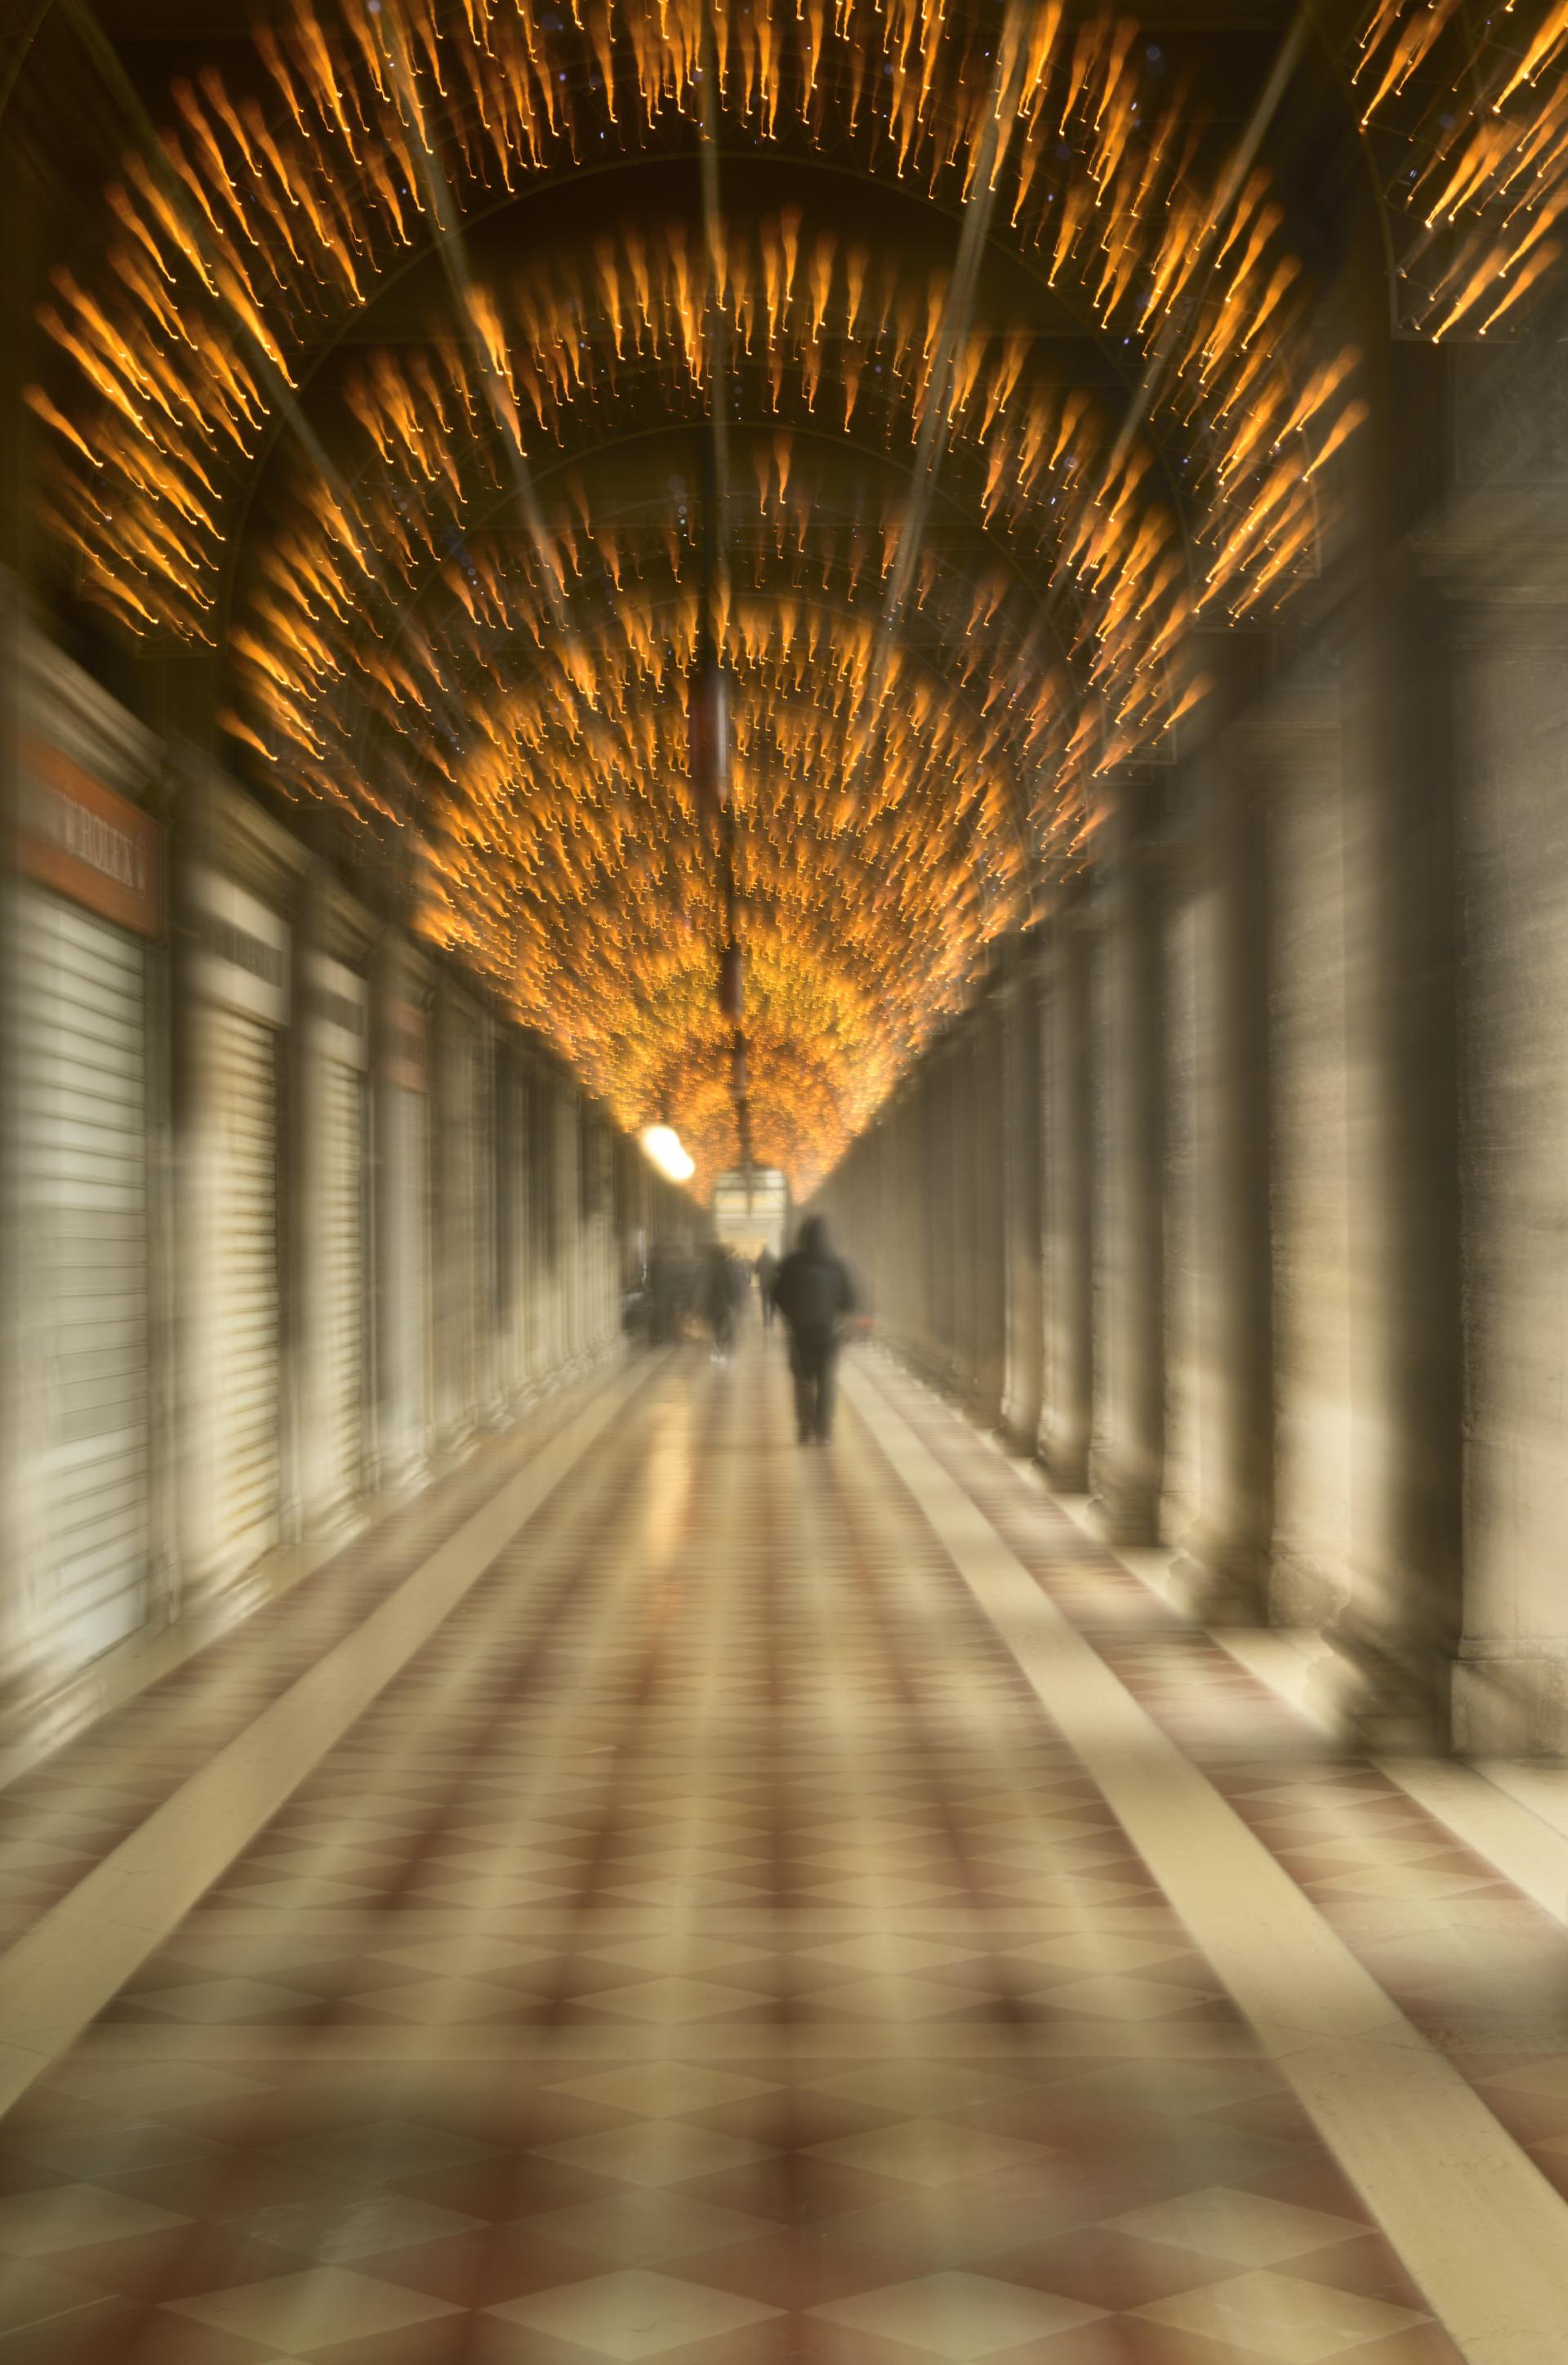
x,y
926,696
1477,117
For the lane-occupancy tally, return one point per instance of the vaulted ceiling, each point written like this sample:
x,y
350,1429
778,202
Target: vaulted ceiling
x,y
452,367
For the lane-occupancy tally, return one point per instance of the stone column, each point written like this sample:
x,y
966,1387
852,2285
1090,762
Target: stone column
x,y
1128,1431
512,1292
1295,750
1023,1143
914,1188
938,1113
1400,1627
987,1155
1067,1152
1506,558
574,1240
1182,920
550,1221
1222,1562
606,1319
876,1268
962,1070
488,1360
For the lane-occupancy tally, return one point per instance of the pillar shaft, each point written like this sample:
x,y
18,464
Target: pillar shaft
x,y
1022,1114
1128,1432
1299,759
1068,1219
1224,1544
1510,1686
985,1150
1401,1624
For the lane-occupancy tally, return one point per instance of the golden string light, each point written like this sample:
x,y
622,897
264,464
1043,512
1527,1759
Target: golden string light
x,y
563,858
1474,108
1033,461
395,641
257,227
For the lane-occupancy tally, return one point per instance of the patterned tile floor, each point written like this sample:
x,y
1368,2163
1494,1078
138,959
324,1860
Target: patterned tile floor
x,y
707,1950
63,1815
1478,1967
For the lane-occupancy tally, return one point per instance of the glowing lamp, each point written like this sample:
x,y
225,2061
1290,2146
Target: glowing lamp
x,y
661,1146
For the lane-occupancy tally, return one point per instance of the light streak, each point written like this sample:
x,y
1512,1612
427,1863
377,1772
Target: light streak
x,y
1472,118
521,702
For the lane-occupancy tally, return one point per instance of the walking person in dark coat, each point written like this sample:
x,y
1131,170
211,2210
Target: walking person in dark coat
x,y
814,1292
766,1271
721,1288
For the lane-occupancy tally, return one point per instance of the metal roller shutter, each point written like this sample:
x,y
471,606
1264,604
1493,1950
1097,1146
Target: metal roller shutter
x,y
82,1142
249,1462
343,1274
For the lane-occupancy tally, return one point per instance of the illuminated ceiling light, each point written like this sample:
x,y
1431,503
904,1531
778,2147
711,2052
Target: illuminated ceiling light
x,y
393,651
661,1146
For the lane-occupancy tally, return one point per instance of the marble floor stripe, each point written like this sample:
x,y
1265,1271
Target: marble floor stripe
x,y
55,1978
1445,1881
66,1814
1483,2234
712,1936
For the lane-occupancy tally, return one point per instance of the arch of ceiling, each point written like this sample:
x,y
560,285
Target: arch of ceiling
x,y
1040,548
458,605
893,792
258,229
1464,114
571,866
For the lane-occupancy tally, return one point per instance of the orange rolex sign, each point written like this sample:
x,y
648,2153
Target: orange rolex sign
x,y
87,842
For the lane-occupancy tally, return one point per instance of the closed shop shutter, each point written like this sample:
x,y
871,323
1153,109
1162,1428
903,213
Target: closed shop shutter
x,y
82,1153
343,1274
248,1476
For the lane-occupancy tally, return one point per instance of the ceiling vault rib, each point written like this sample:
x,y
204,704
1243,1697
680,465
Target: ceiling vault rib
x,y
475,586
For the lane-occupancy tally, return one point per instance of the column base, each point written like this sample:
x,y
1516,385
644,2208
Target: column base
x,y
1220,1585
1123,1511
1064,1458
1019,1425
1390,1703
1511,1700
1304,1592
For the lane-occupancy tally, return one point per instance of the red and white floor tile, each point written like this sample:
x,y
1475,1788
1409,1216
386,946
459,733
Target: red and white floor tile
x,y
707,1949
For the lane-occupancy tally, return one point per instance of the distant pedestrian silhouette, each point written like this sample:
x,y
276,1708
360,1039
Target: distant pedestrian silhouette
x,y
813,1292
766,1271
723,1281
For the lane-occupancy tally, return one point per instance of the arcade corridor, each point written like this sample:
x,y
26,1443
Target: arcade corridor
x,y
668,1894
635,636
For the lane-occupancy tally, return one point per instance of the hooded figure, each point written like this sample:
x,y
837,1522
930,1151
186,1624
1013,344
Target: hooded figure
x,y
814,1292
721,1292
